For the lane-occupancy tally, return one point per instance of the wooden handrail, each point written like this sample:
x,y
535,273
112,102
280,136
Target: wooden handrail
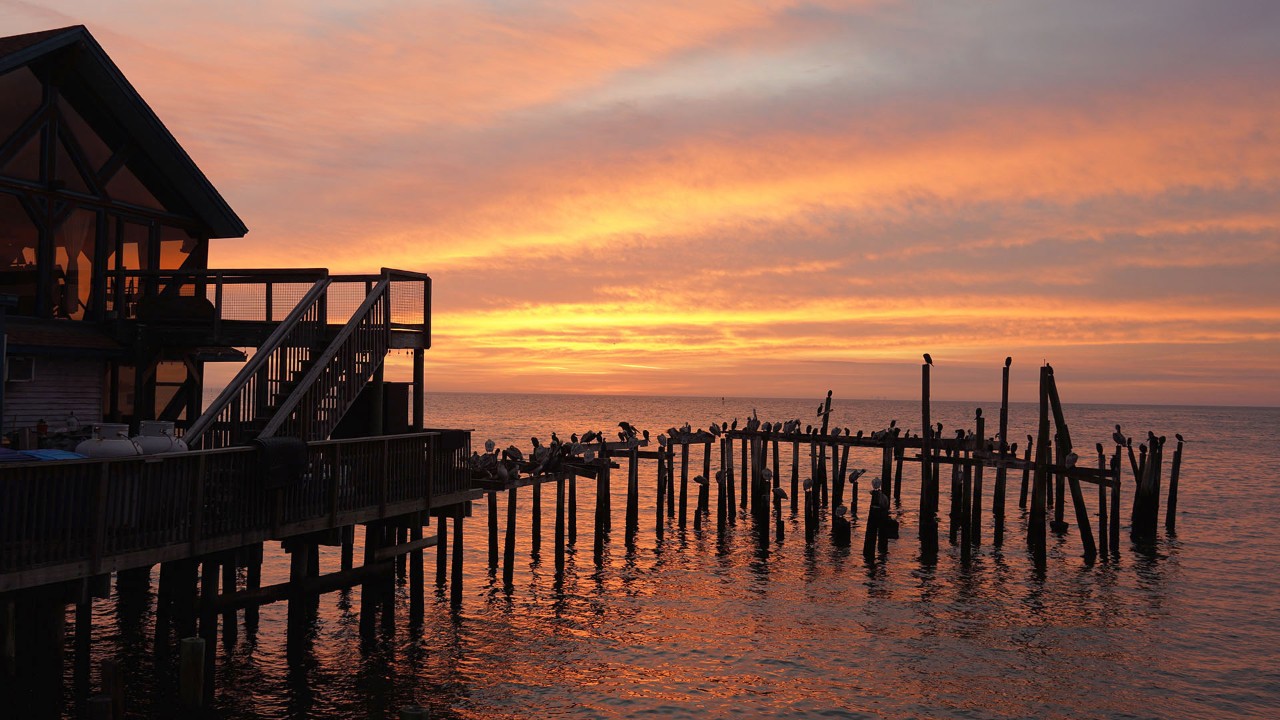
x,y
255,364
321,365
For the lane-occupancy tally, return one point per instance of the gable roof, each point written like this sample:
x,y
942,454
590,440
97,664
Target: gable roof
x,y
102,85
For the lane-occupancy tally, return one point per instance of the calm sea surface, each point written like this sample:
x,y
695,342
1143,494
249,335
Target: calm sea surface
x,y
696,627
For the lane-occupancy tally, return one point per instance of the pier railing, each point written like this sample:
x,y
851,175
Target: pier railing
x,y
70,519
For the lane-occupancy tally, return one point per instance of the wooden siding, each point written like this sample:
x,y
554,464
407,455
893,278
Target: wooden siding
x,y
61,386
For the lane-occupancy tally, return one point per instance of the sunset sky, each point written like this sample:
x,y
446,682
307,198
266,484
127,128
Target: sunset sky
x,y
755,198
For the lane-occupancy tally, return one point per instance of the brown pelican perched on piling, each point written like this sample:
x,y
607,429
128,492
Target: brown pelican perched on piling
x,y
779,494
699,480
628,428
715,429
513,454
1118,436
855,474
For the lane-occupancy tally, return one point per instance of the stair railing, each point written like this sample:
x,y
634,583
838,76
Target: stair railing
x,y
249,396
329,388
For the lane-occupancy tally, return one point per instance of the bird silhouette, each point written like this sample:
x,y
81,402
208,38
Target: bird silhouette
x,y
779,494
928,359
1179,436
1008,361
1118,436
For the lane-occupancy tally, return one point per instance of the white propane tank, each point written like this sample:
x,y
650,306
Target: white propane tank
x,y
156,437
109,440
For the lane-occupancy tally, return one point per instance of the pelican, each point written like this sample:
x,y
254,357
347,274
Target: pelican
x,y
767,474
645,433
808,484
1179,436
820,406
859,435
715,429
554,440
1098,447
1071,459
841,511
734,426
1008,361
779,494
928,359
719,477
489,445
875,485
893,424
627,428
589,437
662,440
513,453
855,474
767,427
699,480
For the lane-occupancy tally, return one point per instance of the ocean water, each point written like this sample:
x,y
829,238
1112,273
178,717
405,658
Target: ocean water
x,y
700,626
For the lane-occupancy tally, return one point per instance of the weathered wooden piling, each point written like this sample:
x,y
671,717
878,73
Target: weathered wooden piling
x,y
662,481
559,531
795,473
684,482
731,514
602,515
509,541
746,467
417,583
979,460
455,579
492,498
442,549
1077,496
899,451
1026,474
1036,531
957,496
573,509
704,505
347,552
632,521
928,531
1002,460
966,512
721,501
191,672
1115,503
1103,545
535,522
1171,511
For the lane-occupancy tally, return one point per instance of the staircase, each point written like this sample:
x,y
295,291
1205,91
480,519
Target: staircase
x,y
305,376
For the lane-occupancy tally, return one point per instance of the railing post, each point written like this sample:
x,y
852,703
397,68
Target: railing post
x,y
217,306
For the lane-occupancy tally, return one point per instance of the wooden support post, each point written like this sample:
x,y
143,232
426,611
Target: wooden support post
x,y
573,509
191,672
348,547
745,468
898,457
704,505
608,499
1103,545
1002,469
83,643
843,474
559,532
795,473
966,512
1077,496
730,512
535,523
509,542
957,497
684,482
229,626
1115,504
1060,448
417,581
602,521
1036,535
442,550
633,497
979,456
1026,474
1171,511
401,561
492,512
455,579
209,619
721,500
928,532
662,482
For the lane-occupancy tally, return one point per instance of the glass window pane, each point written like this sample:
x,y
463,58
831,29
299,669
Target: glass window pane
x,y
124,186
74,242
18,242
